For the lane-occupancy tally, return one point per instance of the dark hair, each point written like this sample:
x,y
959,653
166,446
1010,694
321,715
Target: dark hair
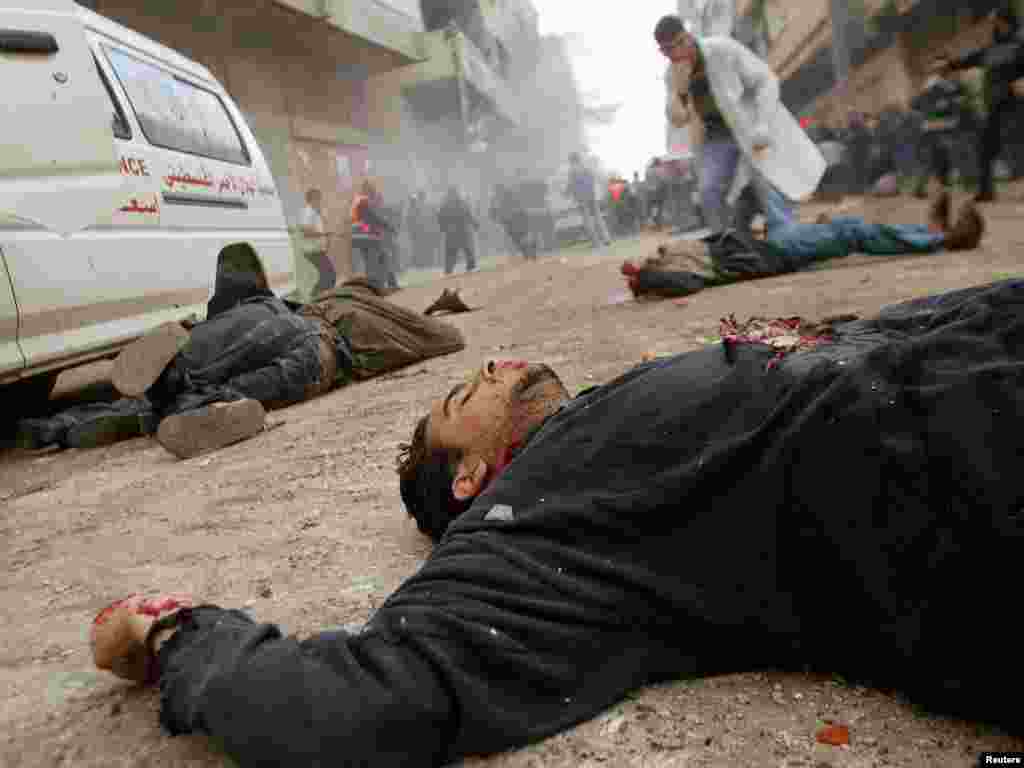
x,y
667,28
425,480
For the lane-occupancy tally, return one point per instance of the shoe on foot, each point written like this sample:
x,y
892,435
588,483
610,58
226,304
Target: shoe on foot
x,y
120,632
211,427
938,213
34,434
140,364
968,230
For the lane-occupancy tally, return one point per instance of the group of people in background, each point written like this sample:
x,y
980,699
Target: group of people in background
x,y
949,131
745,162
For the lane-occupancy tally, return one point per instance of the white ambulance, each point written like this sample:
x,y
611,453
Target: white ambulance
x,y
128,177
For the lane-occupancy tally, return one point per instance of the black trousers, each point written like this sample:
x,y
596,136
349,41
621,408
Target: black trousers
x,y
452,246
990,143
937,157
656,207
518,230
378,257
327,274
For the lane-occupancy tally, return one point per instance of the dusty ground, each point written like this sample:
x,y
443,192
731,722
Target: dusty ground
x,y
304,526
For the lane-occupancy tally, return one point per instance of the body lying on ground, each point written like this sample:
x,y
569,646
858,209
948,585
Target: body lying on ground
x,y
852,508
688,266
202,389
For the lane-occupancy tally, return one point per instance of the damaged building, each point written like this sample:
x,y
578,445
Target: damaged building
x,y
414,93
493,101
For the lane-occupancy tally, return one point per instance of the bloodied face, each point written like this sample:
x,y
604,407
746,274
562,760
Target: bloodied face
x,y
484,417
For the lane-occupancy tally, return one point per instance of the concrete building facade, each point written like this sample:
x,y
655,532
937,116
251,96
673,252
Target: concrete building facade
x,y
492,99
892,43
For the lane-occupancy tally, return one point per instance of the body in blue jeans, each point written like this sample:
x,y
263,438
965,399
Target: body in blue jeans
x,y
801,244
789,248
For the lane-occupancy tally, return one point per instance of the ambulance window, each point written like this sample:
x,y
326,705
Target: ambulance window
x,y
176,114
117,122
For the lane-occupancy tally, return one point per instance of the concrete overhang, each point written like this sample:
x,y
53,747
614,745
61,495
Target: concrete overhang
x,y
378,22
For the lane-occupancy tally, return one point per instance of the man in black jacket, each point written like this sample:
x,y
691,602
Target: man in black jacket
x,y
854,508
458,224
1003,62
946,116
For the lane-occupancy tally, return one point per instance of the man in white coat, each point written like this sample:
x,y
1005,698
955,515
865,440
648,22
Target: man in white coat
x,y
742,133
708,18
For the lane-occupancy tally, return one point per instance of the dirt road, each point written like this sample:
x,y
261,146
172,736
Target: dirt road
x,y
304,526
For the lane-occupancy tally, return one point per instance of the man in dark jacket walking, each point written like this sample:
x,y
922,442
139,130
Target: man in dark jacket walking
x,y
702,513
458,226
946,115
508,208
1003,62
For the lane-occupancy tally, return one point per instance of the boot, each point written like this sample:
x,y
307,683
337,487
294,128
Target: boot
x,y
140,364
211,427
967,232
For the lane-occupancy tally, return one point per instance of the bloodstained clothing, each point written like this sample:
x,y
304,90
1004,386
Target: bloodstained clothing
x,y
853,510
